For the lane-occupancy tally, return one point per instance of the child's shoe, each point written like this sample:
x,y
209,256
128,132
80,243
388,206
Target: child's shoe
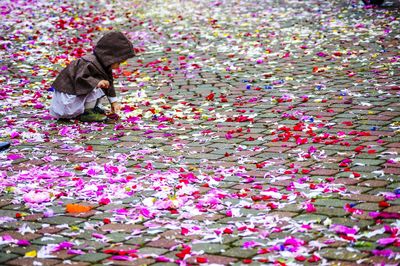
x,y
99,110
91,116
64,120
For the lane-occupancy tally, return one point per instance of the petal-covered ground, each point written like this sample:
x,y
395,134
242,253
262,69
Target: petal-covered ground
x,y
252,132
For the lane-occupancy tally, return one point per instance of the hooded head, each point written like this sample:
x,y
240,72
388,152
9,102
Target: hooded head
x,y
112,48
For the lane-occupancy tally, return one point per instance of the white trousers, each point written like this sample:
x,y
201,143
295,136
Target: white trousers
x,y
65,105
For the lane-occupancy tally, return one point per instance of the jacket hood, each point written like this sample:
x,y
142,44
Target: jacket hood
x,y
112,48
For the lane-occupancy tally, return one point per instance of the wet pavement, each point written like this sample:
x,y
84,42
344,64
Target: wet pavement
x,y
251,133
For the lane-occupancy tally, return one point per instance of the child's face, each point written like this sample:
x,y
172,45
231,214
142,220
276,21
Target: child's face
x,y
117,65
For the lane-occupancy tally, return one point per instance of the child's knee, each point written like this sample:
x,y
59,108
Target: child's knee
x,y
90,104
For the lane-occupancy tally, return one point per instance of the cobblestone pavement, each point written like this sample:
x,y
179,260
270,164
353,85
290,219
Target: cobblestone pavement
x,y
252,132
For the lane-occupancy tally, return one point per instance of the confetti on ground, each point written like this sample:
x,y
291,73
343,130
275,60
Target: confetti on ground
x,y
250,133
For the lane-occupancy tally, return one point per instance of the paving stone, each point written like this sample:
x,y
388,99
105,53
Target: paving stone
x,y
4,257
89,245
91,257
244,262
331,202
33,261
376,260
331,212
346,181
208,156
324,172
291,208
210,248
357,190
239,253
394,209
57,220
374,183
4,202
331,244
310,217
162,243
81,234
62,255
73,263
368,206
17,235
215,55
18,224
367,169
20,250
343,263
341,254
118,237
282,214
363,197
368,162
120,227
207,217
150,251
229,239
137,240
101,142
240,242
49,240
134,262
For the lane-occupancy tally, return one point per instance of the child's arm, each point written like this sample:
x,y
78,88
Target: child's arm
x,y
103,84
115,105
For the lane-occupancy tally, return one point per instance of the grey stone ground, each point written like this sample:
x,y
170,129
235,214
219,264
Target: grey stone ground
x,y
253,132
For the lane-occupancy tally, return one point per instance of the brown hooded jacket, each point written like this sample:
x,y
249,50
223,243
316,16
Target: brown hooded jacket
x,y
80,77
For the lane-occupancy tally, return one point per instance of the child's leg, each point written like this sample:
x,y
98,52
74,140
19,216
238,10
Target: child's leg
x,y
98,107
72,106
90,105
93,103
93,99
66,106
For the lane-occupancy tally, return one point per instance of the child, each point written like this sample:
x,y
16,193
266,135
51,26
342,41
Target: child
x,y
80,86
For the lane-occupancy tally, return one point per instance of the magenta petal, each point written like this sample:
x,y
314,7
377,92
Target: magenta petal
x,y
38,106
386,241
14,156
100,236
23,243
250,244
146,213
65,245
294,242
122,258
7,238
310,207
163,259
75,252
384,252
385,215
341,229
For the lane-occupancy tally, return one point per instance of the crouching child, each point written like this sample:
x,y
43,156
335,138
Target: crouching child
x,y
79,87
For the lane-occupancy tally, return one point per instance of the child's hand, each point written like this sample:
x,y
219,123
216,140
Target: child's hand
x,y
115,107
103,84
